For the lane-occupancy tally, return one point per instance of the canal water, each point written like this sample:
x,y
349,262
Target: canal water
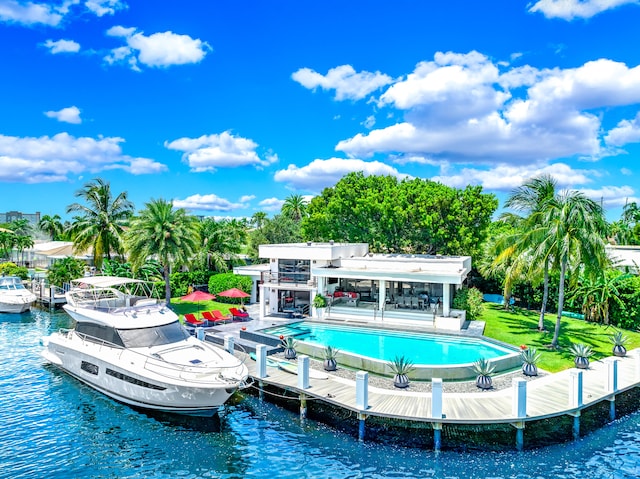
x,y
51,426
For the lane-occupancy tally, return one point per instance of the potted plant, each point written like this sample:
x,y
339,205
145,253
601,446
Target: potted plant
x,y
319,302
530,358
330,354
581,353
484,369
619,340
401,367
289,345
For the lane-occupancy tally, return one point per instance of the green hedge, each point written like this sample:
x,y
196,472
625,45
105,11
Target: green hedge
x,y
224,281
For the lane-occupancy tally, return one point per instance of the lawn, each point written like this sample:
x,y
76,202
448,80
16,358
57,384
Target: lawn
x,y
183,307
520,327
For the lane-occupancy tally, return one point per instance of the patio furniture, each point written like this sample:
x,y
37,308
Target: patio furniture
x,y
192,320
239,314
212,319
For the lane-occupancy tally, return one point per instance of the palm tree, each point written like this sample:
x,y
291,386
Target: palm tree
x,y
23,242
101,221
258,219
598,291
295,207
530,199
571,228
51,225
164,232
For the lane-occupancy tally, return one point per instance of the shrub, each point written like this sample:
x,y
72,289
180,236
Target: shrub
x,y
224,281
64,270
11,269
469,300
180,281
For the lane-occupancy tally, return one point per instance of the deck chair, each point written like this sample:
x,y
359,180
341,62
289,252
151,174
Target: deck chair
x,y
191,320
212,319
241,315
221,317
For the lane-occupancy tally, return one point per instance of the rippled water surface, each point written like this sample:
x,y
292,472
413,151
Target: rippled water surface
x,y
51,426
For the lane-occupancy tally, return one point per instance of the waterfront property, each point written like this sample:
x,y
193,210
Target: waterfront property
x,y
400,288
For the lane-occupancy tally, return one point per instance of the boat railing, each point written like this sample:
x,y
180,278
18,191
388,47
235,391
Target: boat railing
x,y
200,372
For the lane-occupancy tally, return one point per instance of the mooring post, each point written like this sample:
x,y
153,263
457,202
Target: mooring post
x,y
436,411
612,385
200,333
303,372
362,400
575,400
229,344
303,406
519,435
261,361
519,409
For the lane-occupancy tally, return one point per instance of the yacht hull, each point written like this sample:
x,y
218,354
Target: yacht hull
x,y
125,376
15,307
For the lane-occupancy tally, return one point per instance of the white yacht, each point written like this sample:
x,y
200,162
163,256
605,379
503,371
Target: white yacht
x,y
133,348
14,297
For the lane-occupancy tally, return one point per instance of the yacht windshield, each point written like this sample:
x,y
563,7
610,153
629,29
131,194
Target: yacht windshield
x,y
156,336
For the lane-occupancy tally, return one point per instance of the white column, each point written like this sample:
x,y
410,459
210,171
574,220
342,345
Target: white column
x,y
436,398
262,301
575,388
519,406
362,390
303,372
261,361
382,294
254,290
446,299
229,344
612,375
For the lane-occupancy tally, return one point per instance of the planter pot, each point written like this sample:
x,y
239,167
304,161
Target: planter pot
x,y
619,351
401,381
529,369
289,353
330,365
581,363
484,382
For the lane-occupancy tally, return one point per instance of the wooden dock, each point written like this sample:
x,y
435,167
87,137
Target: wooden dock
x,y
565,393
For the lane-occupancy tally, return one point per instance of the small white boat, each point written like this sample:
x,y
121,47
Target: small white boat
x,y
14,297
132,348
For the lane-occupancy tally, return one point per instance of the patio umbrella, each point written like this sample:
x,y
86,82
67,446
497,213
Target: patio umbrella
x,y
234,293
198,296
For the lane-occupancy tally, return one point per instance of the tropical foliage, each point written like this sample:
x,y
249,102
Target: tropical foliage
x,y
221,243
469,300
167,234
224,281
100,221
11,269
408,216
52,225
64,270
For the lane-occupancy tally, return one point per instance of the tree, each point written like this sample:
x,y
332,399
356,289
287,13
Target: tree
x,y
258,219
163,232
530,199
221,242
598,292
571,228
410,216
23,242
101,221
280,229
7,241
295,207
52,225
21,226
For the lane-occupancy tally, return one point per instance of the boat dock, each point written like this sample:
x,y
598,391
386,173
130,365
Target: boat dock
x,y
566,393
49,296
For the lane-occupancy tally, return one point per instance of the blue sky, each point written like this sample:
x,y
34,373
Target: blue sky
x,y
228,107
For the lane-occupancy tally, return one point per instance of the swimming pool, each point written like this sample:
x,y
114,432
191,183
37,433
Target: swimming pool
x,y
370,348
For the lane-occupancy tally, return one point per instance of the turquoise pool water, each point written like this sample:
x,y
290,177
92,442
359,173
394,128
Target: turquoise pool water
x,y
383,344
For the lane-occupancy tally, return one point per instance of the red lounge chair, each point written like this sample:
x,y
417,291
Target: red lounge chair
x,y
192,320
212,318
221,317
239,314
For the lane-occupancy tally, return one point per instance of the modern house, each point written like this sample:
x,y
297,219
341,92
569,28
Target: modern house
x,y
358,284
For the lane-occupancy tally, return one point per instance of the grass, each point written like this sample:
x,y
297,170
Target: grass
x,y
520,327
183,307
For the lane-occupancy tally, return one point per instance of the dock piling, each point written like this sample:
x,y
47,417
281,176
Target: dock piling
x,y
261,361
303,406
575,389
519,404
436,411
303,372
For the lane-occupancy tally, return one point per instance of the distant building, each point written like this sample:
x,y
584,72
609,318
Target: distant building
x,y
9,216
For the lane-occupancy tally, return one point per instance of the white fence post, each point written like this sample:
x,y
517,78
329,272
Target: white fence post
x,y
303,372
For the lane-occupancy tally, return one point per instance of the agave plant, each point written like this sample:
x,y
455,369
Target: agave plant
x,y
330,355
530,358
619,340
484,369
401,367
581,353
289,345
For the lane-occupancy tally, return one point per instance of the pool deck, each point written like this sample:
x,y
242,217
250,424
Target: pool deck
x,y
565,393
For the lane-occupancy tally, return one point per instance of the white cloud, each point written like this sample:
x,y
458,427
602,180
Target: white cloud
x,y
271,204
247,198
67,115
626,171
571,9
369,122
156,50
463,108
105,7
611,196
62,46
320,174
348,84
209,202
30,13
507,177
51,159
225,150
627,131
